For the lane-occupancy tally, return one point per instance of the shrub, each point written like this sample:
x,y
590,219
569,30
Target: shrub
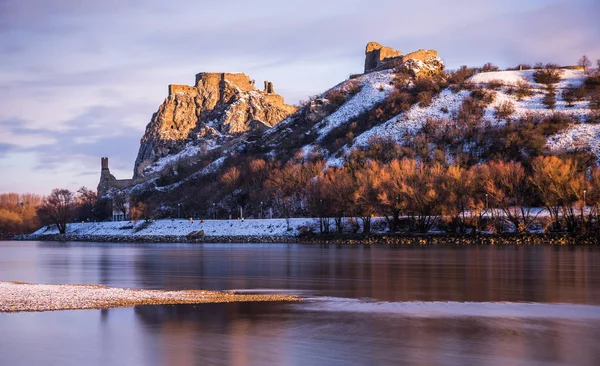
x,y
523,89
167,179
471,110
494,84
548,75
336,97
549,99
573,94
352,88
592,81
504,110
424,98
339,96
595,101
426,83
460,76
488,67
401,78
484,96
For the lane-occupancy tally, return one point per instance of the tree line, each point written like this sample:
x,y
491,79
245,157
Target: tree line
x,y
413,196
25,213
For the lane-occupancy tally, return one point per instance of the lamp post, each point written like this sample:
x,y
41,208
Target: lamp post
x,y
214,211
261,210
582,207
179,210
486,203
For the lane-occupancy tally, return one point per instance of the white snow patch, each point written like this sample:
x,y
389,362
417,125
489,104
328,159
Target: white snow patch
x,y
411,121
265,227
190,150
568,77
577,137
375,88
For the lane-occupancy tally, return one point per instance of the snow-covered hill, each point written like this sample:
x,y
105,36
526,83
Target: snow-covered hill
x,y
448,102
199,163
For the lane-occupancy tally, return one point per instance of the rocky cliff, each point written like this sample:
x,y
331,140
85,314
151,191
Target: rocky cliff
x,y
217,109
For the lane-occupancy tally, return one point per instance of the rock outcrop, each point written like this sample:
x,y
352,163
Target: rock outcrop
x,y
219,107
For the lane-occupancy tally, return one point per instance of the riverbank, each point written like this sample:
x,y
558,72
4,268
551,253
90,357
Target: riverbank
x,y
352,239
296,230
26,297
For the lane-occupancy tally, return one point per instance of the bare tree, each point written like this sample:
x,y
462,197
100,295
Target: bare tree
x,y
512,193
121,203
584,62
58,208
86,200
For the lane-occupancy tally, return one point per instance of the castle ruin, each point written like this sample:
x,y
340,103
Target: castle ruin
x,y
108,181
217,80
378,57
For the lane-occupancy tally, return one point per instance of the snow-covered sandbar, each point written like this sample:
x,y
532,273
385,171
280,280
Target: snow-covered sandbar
x,y
18,297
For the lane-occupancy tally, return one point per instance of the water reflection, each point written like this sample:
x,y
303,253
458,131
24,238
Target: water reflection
x,y
358,318
255,334
531,274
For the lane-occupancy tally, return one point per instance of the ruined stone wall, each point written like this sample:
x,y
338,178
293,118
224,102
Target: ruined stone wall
x,y
274,99
214,79
205,79
175,88
379,58
240,80
376,54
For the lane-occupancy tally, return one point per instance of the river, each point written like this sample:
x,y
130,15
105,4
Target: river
x,y
363,305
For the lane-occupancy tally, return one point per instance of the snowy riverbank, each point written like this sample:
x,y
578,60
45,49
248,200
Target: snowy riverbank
x,y
267,230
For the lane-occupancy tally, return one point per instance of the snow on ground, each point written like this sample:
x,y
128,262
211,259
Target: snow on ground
x,y
375,88
412,120
533,103
568,78
16,297
190,150
577,137
210,168
265,227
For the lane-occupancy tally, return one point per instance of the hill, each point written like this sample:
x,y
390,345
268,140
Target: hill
x,y
218,146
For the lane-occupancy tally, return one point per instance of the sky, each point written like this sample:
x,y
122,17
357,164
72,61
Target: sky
x,y
81,79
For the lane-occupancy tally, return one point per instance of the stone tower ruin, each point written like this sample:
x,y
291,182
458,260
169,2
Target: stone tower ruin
x,y
104,163
376,54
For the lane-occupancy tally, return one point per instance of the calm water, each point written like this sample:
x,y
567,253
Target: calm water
x,y
364,305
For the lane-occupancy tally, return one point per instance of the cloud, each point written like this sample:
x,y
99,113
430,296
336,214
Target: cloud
x,y
87,137
5,148
81,79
